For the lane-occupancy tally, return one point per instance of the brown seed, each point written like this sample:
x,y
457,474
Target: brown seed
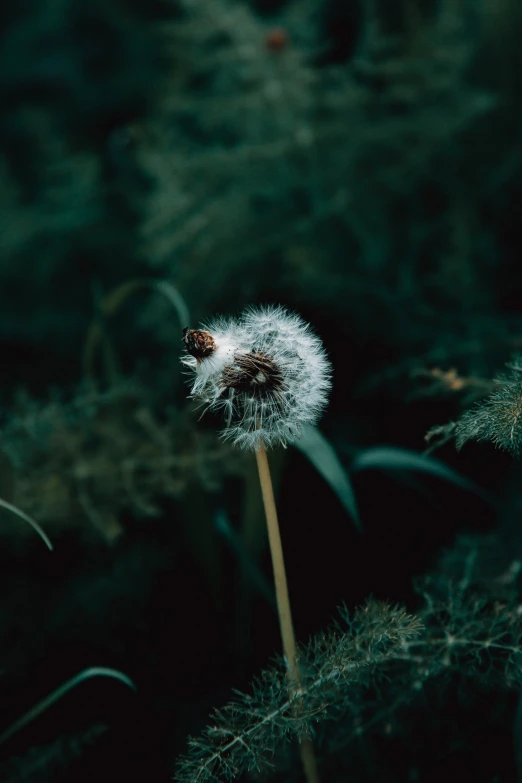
x,y
198,343
252,372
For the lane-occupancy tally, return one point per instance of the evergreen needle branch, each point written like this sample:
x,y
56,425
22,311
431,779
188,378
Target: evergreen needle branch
x,y
249,732
378,649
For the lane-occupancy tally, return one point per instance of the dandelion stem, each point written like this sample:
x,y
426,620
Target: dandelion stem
x,y
278,563
283,602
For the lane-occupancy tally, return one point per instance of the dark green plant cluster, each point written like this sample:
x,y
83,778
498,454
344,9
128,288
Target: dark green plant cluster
x,y
373,665
46,763
495,415
80,462
253,729
75,77
323,176
498,418
211,155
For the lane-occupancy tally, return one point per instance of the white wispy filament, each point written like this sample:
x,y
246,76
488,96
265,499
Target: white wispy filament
x,y
266,371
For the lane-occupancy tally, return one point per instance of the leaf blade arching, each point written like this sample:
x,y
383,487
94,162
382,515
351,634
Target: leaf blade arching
x,y
320,452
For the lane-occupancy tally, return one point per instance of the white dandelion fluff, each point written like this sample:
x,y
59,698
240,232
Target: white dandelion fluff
x,y
266,371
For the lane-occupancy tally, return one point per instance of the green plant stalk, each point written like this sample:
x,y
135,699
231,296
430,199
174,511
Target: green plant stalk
x,y
283,603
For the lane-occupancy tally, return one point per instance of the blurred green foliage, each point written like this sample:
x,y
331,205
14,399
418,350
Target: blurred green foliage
x,y
360,163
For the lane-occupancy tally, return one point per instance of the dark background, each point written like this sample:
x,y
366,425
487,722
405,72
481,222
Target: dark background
x,y
358,162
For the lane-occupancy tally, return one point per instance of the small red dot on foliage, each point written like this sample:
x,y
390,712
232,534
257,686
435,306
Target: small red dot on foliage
x,y
276,39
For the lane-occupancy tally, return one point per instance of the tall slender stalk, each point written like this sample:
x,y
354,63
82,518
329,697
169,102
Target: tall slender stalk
x,y
283,602
269,374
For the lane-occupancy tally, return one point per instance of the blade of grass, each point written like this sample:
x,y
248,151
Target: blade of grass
x,y
19,513
62,690
323,457
396,458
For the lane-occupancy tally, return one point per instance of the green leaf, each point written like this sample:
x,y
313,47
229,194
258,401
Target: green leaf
x,y
396,458
322,455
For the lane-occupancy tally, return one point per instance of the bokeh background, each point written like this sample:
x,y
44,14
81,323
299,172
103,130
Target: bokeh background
x,y
358,161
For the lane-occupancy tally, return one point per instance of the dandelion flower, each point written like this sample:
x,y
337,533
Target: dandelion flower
x,y
266,371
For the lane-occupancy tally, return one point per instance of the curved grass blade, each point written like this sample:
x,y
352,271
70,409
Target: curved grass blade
x,y
397,458
174,296
114,300
27,518
322,455
62,690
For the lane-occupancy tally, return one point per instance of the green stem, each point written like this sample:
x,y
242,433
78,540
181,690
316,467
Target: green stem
x,y
283,602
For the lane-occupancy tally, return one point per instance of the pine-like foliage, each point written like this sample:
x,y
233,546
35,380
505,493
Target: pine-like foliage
x,y
370,665
80,461
251,731
498,418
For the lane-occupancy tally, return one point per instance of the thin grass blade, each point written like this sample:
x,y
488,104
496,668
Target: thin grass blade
x,y
28,519
323,457
396,458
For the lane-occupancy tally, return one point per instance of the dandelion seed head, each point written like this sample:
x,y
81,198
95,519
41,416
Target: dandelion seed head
x,y
268,375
